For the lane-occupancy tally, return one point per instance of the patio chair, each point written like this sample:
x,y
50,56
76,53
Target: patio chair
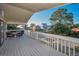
x,y
22,32
18,34
9,34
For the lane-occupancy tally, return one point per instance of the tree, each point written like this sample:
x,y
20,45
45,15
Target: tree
x,y
32,27
11,27
61,21
61,16
44,25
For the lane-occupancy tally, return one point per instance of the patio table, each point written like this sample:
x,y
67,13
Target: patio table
x,y
15,34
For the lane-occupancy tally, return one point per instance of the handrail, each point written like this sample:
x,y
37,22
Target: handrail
x,y
75,40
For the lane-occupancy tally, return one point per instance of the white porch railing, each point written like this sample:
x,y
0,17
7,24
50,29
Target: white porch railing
x,y
63,44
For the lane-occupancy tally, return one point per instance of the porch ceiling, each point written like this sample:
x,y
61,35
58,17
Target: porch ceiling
x,y
21,12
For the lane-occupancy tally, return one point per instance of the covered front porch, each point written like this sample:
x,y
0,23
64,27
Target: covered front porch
x,y
32,43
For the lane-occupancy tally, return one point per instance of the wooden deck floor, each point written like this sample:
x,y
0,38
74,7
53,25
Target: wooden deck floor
x,y
26,46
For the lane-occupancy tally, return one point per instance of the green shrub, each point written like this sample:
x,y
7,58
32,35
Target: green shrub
x,y
11,27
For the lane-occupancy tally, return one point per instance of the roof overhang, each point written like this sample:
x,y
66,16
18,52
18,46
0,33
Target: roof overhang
x,y
21,12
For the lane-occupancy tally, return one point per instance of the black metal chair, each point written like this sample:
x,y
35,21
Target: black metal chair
x,y
19,34
9,34
22,32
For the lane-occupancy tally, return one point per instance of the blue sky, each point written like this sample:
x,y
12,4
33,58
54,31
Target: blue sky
x,y
43,16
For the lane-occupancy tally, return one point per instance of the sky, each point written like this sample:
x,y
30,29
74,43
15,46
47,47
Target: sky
x,y
44,16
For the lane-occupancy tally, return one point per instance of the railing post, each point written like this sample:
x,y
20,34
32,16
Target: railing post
x,y
65,46
57,44
69,48
61,44
49,41
73,49
37,36
52,42
33,34
30,34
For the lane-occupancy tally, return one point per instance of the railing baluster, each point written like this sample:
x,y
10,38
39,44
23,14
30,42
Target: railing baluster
x,y
61,45
52,42
69,48
32,34
37,36
73,49
65,46
57,44
49,41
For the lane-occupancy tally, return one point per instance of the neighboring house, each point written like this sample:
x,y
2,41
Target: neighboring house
x,y
38,27
76,30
